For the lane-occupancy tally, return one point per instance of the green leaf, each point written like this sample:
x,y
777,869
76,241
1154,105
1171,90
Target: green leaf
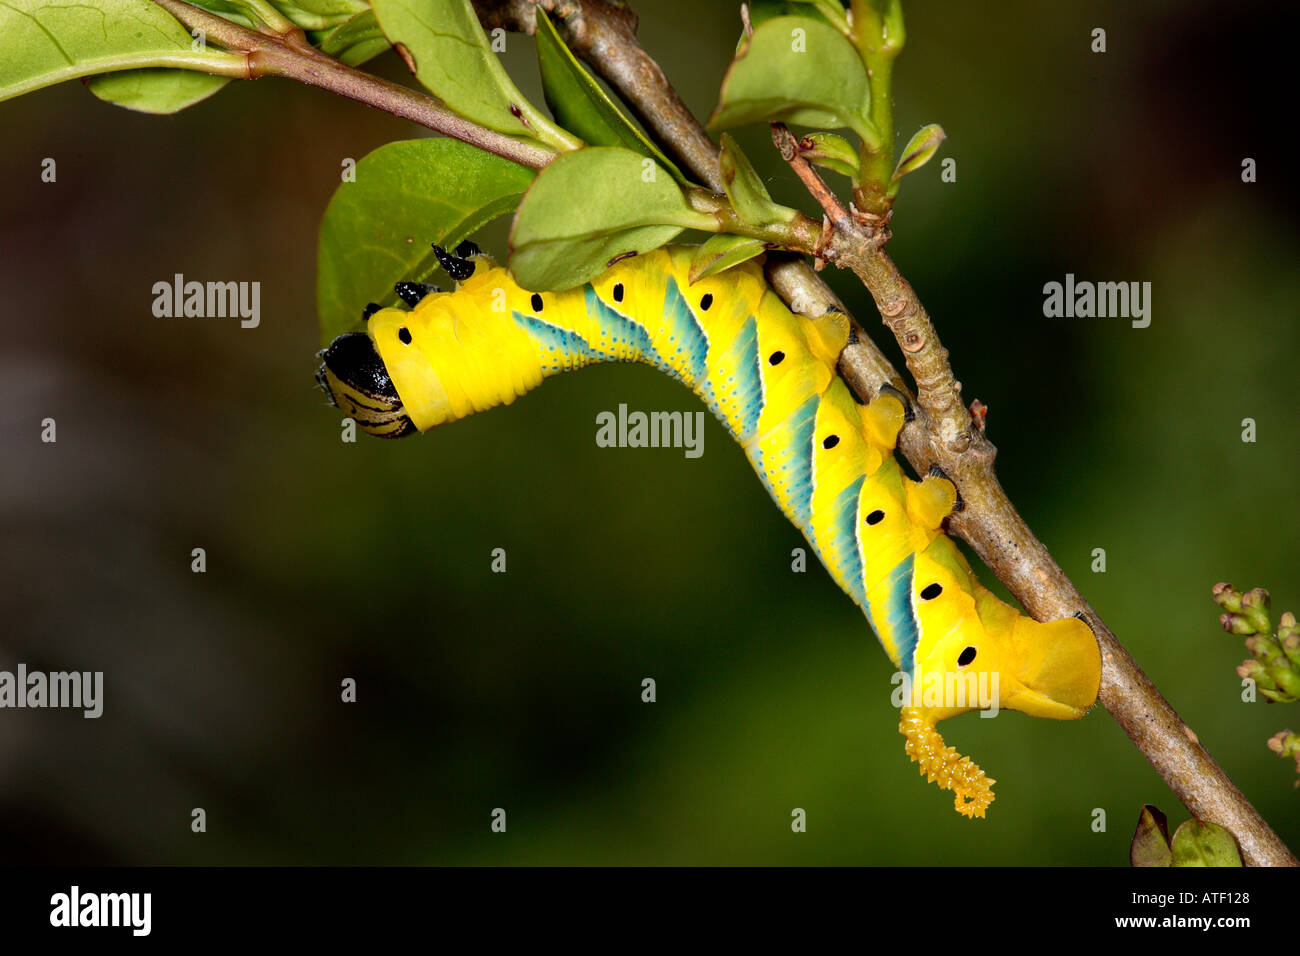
x,y
311,15
407,195
228,10
321,8
454,60
831,152
749,197
320,14
1204,844
720,253
163,92
799,69
155,91
1150,845
580,105
590,207
48,42
919,149
355,41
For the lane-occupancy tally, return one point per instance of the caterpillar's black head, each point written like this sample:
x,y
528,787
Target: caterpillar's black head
x,y
354,379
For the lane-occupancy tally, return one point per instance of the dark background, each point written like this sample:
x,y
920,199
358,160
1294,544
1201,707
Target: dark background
x,y
371,560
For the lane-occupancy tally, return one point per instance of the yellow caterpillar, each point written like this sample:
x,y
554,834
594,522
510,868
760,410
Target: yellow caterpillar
x,y
769,375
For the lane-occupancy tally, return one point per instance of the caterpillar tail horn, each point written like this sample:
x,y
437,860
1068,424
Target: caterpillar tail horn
x,y
944,766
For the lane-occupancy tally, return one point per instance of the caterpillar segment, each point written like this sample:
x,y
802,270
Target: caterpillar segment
x,y
828,461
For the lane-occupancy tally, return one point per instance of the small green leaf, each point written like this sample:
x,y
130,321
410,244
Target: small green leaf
x,y
230,10
46,43
1150,845
454,60
155,91
919,149
320,14
799,69
407,195
831,152
590,207
355,41
833,11
720,253
749,197
1204,844
580,105
346,9
312,15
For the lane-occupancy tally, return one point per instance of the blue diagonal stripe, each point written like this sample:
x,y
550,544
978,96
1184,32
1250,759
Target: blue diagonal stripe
x,y
848,546
903,626
685,333
564,345
801,445
748,380
619,328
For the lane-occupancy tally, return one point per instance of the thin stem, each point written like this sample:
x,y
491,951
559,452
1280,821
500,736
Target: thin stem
x,y
290,55
329,74
879,38
788,146
938,392
871,192
800,234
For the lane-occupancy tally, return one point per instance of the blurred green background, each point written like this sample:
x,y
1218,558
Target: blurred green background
x,y
477,690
